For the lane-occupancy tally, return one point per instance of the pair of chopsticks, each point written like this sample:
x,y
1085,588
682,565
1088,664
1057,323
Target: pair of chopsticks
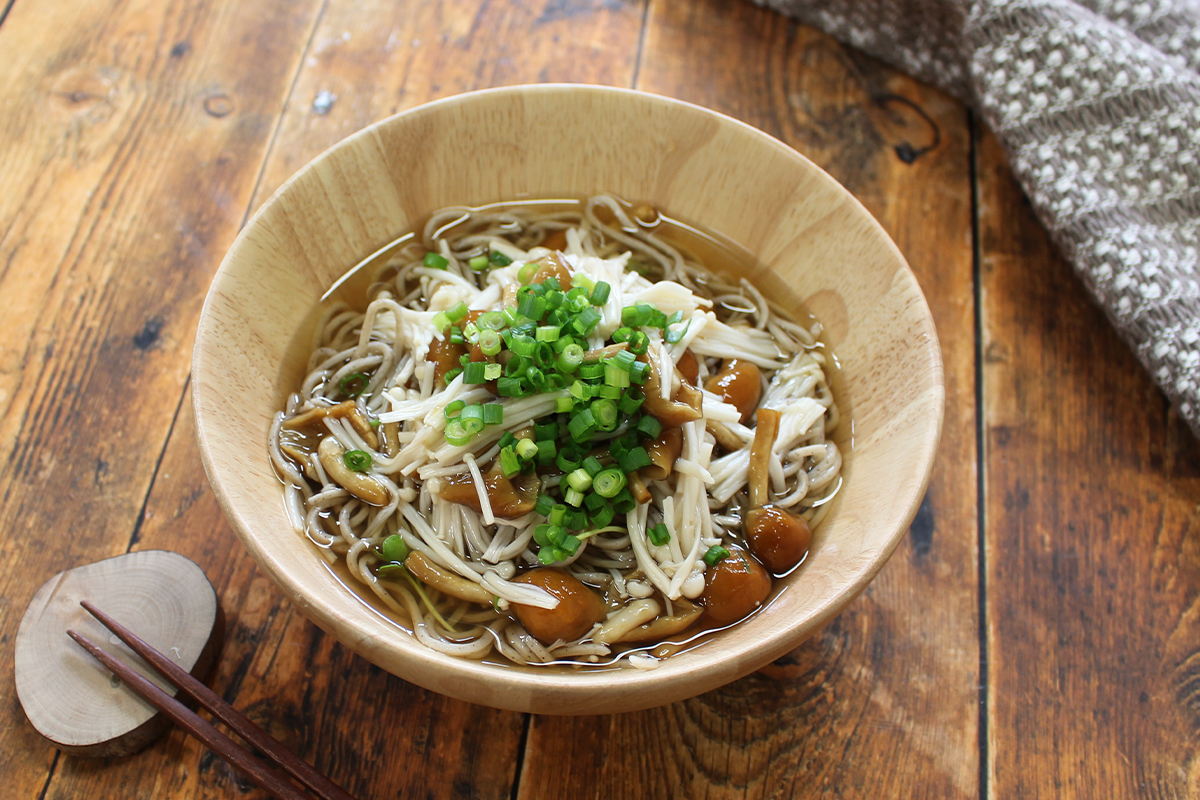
x,y
236,755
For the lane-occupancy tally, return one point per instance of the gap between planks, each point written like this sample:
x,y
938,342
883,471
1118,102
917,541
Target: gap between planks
x,y
973,132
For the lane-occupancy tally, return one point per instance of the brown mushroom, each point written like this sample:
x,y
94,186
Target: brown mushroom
x,y
725,437
637,488
578,609
365,487
684,613
689,367
739,383
663,452
509,497
736,586
344,410
683,407
428,572
445,356
778,538
553,265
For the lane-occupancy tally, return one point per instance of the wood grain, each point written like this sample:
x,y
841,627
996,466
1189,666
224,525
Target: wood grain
x,y
1093,494
799,727
132,135
337,710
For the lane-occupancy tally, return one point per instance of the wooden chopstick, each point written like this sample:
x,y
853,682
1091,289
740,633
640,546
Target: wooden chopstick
x,y
185,718
299,769
256,736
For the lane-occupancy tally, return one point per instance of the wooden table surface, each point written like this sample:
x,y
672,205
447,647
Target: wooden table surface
x,y
1037,635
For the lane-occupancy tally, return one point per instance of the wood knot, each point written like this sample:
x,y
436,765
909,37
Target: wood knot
x,y
218,105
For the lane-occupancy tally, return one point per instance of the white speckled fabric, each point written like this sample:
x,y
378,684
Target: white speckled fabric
x,y
1098,105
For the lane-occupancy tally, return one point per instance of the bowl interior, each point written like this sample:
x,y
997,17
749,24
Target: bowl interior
x,y
818,250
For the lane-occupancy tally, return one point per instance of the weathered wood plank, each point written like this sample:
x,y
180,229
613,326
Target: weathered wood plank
x,y
1093,528
376,734
131,136
892,682
373,59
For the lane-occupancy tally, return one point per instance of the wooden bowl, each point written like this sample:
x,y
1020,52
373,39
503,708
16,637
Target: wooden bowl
x,y
820,251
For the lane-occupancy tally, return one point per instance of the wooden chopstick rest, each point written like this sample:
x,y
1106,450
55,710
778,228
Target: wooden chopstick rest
x,y
242,725
69,699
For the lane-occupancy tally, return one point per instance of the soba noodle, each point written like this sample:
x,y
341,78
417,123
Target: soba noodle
x,y
465,529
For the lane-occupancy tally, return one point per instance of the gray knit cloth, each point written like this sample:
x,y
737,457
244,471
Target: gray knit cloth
x,y
1098,105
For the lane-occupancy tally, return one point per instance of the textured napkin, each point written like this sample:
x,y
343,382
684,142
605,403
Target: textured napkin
x,y
1098,106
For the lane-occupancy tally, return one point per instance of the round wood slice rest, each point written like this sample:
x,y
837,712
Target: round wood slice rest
x,y
70,698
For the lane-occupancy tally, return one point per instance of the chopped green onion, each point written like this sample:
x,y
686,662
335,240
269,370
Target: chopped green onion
x,y
593,466
623,360
523,346
565,462
531,306
605,412
639,371
536,378
489,342
658,534
515,367
435,261
586,322
594,502
563,342
457,312
623,503
547,450
577,519
513,387
354,384
611,392
441,321
451,374
563,404
582,281
545,430
507,439
541,534
394,548
358,460
609,482
639,342
573,497
543,356
649,427
473,373
491,321
631,401
554,299
509,463
715,555
455,434
456,336
635,458
614,375
492,371
493,413
527,271
600,293
673,336
582,426
603,515
591,371
499,259
543,505
527,449
547,333
556,514
570,358
452,409
580,480
478,263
